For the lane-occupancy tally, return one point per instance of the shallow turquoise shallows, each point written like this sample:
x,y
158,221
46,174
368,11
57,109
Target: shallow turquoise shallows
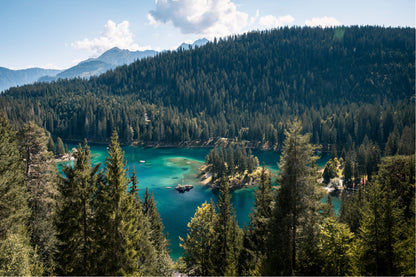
x,y
161,169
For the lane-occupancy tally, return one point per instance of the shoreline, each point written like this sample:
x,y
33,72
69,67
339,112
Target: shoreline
x,y
258,146
234,182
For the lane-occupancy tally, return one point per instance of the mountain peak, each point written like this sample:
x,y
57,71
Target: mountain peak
x,y
200,42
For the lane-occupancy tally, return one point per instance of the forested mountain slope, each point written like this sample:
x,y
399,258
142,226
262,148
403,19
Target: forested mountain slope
x,y
343,84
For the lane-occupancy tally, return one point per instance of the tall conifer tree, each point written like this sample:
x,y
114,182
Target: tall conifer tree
x,y
16,254
75,219
158,239
121,230
199,241
41,180
260,226
296,209
228,235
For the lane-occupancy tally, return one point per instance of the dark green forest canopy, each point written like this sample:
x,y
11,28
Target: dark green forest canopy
x,y
343,83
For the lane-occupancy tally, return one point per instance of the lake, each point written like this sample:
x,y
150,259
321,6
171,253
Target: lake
x,y
162,169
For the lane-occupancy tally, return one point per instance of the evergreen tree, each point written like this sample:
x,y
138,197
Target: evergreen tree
x,y
392,144
348,172
75,216
296,209
199,242
260,226
41,184
333,152
134,190
406,144
60,149
373,248
335,248
330,170
328,207
349,212
163,262
385,244
51,144
118,218
16,254
228,239
147,255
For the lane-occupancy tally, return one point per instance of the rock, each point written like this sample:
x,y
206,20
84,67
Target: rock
x,y
184,188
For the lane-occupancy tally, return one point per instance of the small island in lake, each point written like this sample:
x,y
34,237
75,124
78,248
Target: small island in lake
x,y
232,161
183,188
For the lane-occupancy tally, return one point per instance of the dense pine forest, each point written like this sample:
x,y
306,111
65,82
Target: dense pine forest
x,y
302,91
344,84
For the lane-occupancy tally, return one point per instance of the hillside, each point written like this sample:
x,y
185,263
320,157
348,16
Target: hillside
x,y
345,84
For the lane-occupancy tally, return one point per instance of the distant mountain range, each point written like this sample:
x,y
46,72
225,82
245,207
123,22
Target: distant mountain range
x,y
108,60
11,78
85,69
199,42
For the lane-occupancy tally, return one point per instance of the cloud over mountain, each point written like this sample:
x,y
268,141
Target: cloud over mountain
x,y
114,35
271,21
208,17
322,22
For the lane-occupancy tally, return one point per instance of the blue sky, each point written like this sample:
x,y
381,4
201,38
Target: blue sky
x,y
61,33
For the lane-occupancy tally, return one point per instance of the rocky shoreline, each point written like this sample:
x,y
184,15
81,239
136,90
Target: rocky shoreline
x,y
236,181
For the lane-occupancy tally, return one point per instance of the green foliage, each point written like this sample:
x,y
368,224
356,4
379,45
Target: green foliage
x,y
17,257
13,197
385,244
349,213
262,80
121,236
348,172
328,207
228,239
335,248
51,144
256,236
199,242
75,218
163,262
331,170
60,149
296,209
231,160
104,229
102,226
41,179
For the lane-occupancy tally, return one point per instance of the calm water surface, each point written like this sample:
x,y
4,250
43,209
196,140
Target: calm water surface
x,y
161,169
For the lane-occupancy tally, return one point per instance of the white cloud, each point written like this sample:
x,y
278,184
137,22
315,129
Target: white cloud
x,y
322,22
271,21
253,19
114,35
208,17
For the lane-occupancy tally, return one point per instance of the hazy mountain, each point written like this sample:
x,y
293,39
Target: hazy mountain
x,y
110,60
95,66
199,43
116,56
11,78
85,69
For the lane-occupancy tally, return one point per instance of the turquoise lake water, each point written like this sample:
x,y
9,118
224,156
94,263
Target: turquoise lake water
x,y
161,169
